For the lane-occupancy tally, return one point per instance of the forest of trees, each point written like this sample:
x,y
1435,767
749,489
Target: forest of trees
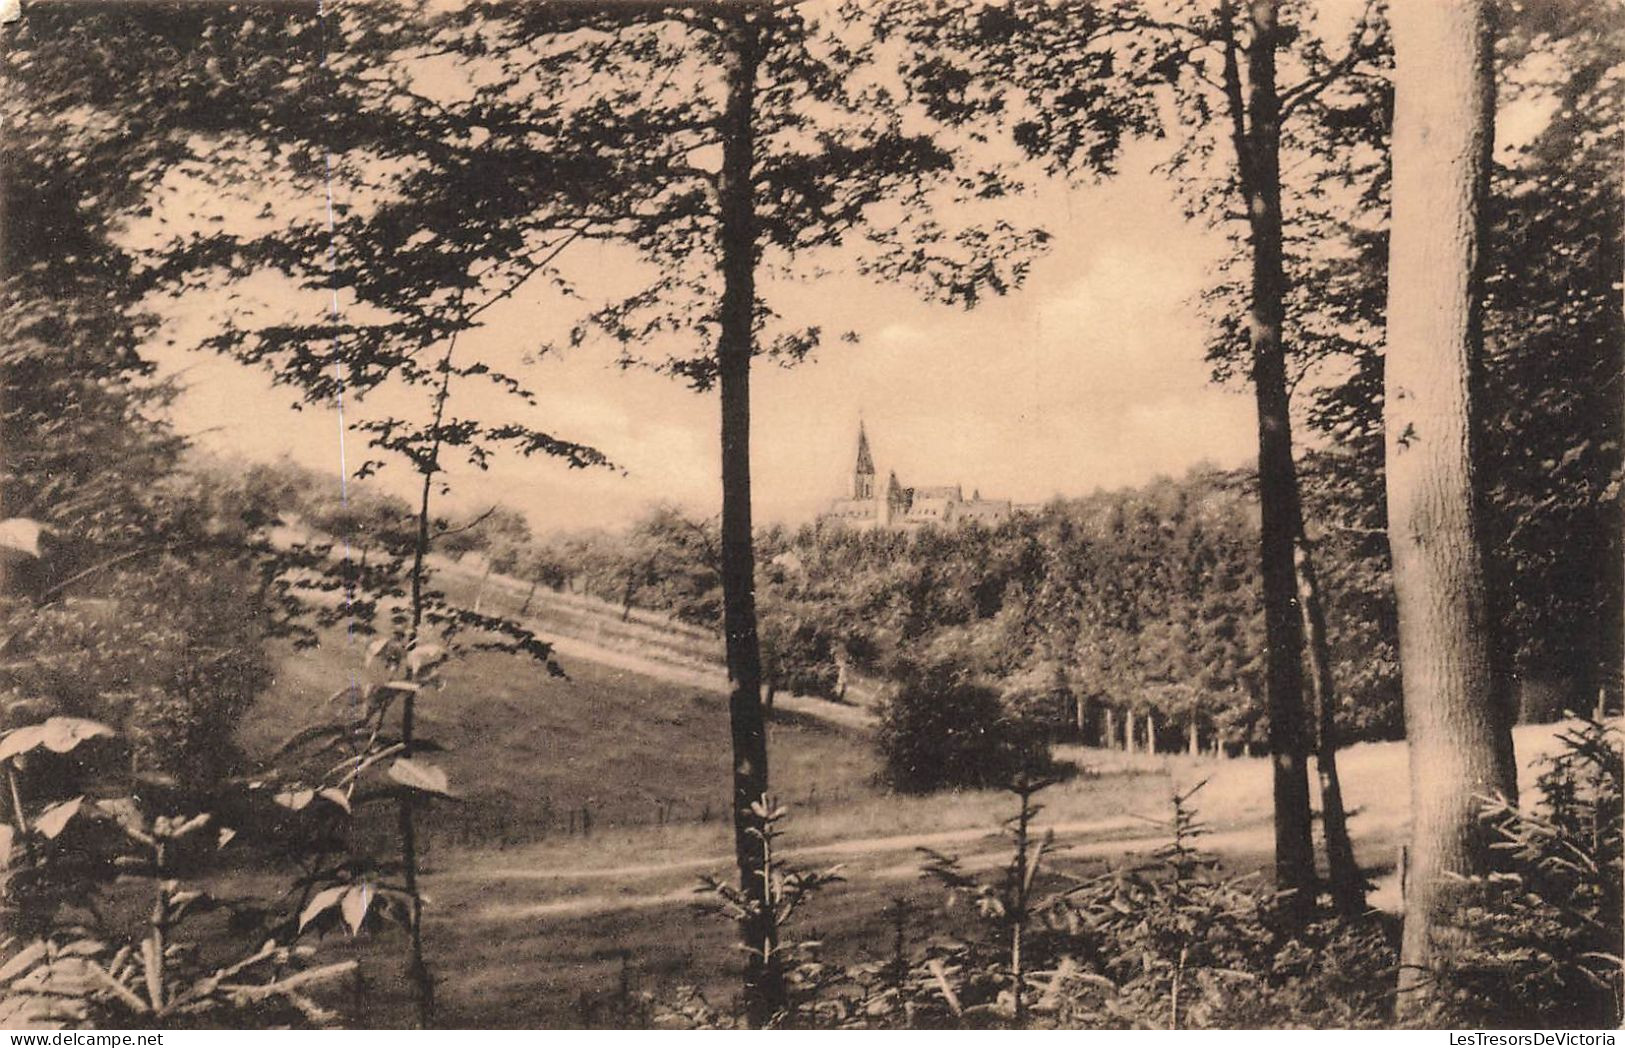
x,y
1428,548
1143,600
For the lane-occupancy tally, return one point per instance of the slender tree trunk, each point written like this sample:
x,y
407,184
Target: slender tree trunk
x,y
1195,741
1128,730
6,578
417,969
529,596
1257,137
1109,740
1018,918
1348,888
1151,731
1460,746
764,983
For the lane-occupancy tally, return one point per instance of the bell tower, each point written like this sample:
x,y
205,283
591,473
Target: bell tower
x,y
863,474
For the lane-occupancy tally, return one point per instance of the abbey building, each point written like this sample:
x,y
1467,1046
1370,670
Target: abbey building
x,y
871,505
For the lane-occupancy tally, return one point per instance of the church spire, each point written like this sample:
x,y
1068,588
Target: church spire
x,y
863,474
866,464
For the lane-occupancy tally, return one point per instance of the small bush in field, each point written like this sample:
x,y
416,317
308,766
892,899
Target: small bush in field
x,y
1334,974
1169,939
798,657
790,968
994,975
943,728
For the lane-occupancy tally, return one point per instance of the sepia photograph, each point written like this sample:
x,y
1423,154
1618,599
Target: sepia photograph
x,y
954,515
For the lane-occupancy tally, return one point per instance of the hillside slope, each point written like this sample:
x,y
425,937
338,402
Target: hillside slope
x,y
528,751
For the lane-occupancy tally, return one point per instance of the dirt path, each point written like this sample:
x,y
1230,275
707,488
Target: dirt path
x,y
717,682
1117,827
867,856
572,647
1380,820
681,672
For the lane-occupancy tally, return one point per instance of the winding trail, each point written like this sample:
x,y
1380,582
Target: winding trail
x,y
876,858
568,647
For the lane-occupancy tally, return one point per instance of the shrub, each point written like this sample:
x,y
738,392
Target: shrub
x,y
172,656
1545,931
81,868
794,981
943,728
1171,942
1185,945
798,657
994,970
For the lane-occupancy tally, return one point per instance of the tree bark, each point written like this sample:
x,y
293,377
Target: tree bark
x,y
6,579
1348,887
1151,731
764,983
1195,742
1460,743
1109,741
1257,138
1128,730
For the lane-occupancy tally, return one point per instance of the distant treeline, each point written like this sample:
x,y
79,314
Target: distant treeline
x,y
1118,613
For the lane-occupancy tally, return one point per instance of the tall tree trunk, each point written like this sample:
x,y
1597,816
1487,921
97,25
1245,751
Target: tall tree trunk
x,y
7,581
1195,742
1109,741
764,982
1348,887
1256,133
1128,730
1460,746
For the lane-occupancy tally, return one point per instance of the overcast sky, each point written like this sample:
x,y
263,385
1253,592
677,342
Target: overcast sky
x,y
1089,376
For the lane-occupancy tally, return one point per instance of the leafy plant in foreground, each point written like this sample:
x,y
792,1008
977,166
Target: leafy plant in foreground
x,y
1545,928
993,976
72,861
785,890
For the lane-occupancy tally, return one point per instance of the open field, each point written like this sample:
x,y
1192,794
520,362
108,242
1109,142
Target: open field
x,y
529,752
